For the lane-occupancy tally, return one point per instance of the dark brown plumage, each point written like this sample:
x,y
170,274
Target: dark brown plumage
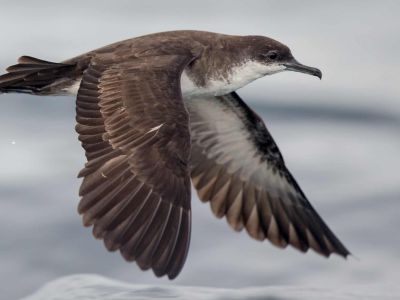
x,y
145,139
136,187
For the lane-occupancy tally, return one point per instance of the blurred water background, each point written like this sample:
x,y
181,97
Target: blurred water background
x,y
340,138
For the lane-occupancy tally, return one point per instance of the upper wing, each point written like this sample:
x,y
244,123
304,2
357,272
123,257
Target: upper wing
x,y
136,187
237,166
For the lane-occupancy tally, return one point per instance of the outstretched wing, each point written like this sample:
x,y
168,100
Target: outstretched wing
x,y
136,187
236,165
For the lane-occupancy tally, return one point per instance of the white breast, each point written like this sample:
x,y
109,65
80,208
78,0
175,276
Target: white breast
x,y
220,85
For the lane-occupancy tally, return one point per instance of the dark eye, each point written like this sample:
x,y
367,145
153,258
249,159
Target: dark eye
x,y
272,55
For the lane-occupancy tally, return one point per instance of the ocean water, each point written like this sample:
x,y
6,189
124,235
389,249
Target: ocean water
x,y
89,287
339,136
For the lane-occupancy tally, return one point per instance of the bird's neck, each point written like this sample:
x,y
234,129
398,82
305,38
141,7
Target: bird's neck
x,y
217,81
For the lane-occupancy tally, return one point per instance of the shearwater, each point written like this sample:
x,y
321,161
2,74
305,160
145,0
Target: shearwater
x,y
157,112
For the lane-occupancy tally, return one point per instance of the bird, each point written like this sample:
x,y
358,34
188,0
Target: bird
x,y
160,112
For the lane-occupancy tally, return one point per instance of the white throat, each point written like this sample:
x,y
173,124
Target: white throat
x,y
239,76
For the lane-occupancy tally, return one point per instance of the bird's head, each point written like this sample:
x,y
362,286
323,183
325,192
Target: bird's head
x,y
276,57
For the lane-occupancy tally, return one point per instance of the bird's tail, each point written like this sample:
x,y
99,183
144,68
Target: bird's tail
x,y
36,76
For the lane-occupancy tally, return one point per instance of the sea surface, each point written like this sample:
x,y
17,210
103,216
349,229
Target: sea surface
x,y
340,137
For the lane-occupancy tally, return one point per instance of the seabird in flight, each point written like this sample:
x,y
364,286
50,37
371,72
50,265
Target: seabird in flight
x,y
157,112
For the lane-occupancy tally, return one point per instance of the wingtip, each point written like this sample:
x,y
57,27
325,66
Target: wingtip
x,y
176,270
161,272
172,276
347,254
341,253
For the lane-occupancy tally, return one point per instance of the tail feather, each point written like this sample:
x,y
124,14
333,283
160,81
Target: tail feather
x,y
35,76
25,59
